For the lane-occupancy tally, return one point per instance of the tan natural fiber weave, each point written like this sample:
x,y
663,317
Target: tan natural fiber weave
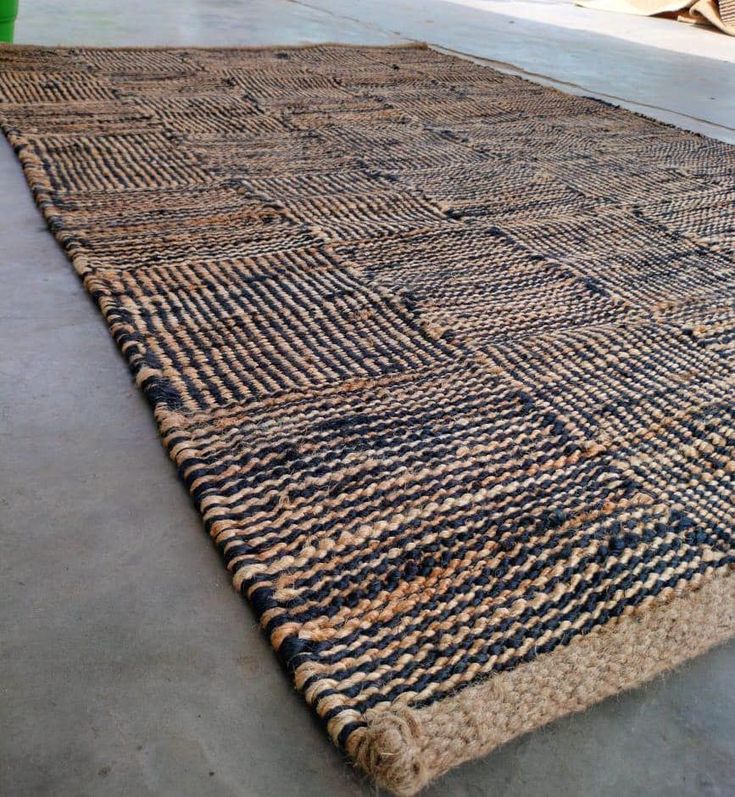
x,y
405,748
445,359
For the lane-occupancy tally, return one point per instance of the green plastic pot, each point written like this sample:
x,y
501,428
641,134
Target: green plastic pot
x,y
8,13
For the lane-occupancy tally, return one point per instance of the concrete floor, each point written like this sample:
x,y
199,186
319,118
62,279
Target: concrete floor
x,y
127,664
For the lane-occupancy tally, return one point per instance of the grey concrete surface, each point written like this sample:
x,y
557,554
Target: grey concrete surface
x,y
127,664
693,91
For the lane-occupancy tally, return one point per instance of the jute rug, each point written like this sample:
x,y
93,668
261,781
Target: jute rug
x,y
445,358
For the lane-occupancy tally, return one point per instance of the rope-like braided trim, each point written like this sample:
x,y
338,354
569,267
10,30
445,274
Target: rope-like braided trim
x,y
403,749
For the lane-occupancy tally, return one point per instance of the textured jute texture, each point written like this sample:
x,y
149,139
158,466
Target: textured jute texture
x,y
445,358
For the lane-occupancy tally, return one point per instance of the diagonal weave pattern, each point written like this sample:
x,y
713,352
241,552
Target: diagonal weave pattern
x,y
444,357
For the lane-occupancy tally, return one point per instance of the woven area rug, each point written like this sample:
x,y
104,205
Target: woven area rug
x,y
445,358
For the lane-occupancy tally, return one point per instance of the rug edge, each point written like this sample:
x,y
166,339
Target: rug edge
x,y
404,749
406,44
